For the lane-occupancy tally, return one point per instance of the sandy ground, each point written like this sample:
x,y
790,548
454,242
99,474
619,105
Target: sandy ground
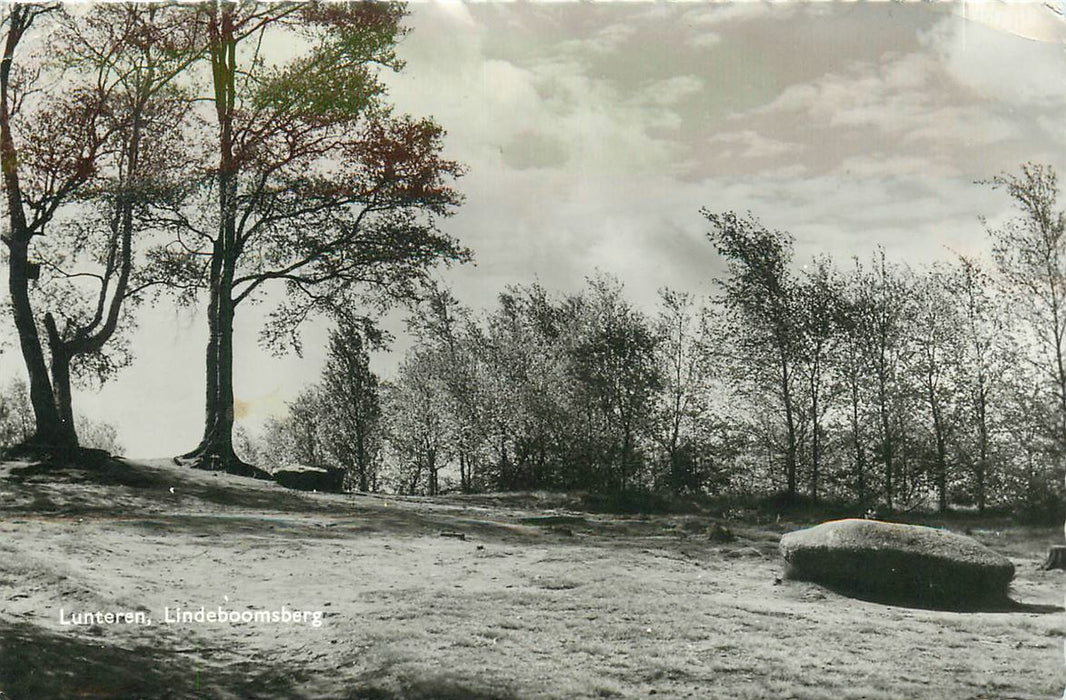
x,y
535,602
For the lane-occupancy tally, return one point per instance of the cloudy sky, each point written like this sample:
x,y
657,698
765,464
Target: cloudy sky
x,y
594,133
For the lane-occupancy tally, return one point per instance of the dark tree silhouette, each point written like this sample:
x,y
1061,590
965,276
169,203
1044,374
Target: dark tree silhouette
x,y
351,408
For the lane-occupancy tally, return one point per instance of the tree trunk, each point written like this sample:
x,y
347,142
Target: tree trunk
x,y
886,448
61,358
215,451
856,436
941,474
48,430
982,461
363,461
791,450
432,474
815,426
941,446
982,443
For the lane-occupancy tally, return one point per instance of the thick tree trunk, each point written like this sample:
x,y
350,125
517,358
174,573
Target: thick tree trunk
x,y
211,354
215,451
432,466
49,430
60,361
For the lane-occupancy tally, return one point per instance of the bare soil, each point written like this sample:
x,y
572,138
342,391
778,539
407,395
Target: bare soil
x,y
511,596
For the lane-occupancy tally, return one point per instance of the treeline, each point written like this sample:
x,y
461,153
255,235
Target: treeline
x,y
869,381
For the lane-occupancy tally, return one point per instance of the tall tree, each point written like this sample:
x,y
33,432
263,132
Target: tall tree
x,y
852,369
527,385
817,296
760,295
615,369
418,428
1030,253
83,161
937,334
687,372
35,188
887,288
449,335
316,184
985,356
91,272
351,408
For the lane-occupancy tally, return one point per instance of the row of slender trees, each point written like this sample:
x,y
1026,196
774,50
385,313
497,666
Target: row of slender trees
x,y
867,381
148,148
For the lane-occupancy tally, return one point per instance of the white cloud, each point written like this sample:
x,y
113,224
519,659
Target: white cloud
x,y
718,13
751,144
879,164
605,41
704,40
670,91
908,99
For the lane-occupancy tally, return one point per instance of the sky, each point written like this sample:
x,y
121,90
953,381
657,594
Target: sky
x,y
594,133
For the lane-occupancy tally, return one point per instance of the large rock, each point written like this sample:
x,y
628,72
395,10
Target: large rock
x,y
902,563
328,479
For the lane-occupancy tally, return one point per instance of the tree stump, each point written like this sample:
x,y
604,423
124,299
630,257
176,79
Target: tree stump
x,y
1056,558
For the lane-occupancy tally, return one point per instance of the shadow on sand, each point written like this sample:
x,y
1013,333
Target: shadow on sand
x,y
994,604
36,663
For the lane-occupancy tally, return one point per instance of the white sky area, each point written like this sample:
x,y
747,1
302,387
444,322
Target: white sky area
x,y
594,133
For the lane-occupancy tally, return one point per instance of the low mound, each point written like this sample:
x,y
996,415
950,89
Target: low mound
x,y
901,563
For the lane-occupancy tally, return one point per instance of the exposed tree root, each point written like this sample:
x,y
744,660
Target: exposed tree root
x,y
211,460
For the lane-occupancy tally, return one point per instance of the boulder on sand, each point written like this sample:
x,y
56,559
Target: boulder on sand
x,y
900,563
304,478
